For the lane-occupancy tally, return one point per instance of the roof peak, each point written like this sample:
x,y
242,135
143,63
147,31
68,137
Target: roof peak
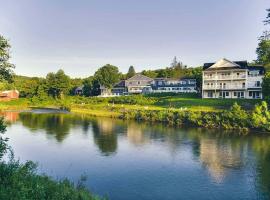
x,y
224,63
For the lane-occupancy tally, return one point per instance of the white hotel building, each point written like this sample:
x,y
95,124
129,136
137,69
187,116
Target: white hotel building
x,y
227,79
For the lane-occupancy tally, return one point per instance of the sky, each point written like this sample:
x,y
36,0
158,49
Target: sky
x,y
80,36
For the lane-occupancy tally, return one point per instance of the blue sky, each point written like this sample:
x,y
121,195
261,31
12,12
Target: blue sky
x,y
80,36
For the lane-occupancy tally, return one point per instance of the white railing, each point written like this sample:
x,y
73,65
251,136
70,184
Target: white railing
x,y
227,87
231,77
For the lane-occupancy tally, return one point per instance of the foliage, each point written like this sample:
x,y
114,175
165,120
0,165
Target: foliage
x,y
131,72
267,21
58,84
235,118
263,49
74,84
107,75
20,181
90,87
266,86
263,52
136,99
5,66
261,117
3,141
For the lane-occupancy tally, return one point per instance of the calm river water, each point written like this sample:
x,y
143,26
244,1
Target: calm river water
x,y
129,160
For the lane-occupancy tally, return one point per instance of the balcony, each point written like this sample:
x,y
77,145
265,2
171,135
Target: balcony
x,y
227,87
230,77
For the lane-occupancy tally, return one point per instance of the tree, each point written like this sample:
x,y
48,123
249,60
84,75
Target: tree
x,y
263,49
131,72
91,87
267,21
6,68
266,86
58,84
107,76
5,75
174,62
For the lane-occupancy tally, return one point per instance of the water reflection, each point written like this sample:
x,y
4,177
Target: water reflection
x,y
10,117
221,154
104,132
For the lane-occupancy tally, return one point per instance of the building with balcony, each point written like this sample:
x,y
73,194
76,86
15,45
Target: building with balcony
x,y
227,79
184,85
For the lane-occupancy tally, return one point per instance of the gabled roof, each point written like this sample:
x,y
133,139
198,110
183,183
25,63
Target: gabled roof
x,y
223,64
120,84
139,77
226,64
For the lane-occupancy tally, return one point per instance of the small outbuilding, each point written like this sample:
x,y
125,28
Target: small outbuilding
x,y
9,95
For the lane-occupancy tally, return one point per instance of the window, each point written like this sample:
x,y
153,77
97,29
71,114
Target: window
x,y
139,82
243,85
257,84
210,94
220,94
227,94
250,94
242,94
235,94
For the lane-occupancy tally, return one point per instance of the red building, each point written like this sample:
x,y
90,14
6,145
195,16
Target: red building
x,y
9,95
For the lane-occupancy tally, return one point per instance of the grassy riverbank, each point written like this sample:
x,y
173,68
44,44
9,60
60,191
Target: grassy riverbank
x,y
168,108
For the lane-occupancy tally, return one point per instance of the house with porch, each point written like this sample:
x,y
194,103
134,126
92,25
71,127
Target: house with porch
x,y
232,79
183,85
139,84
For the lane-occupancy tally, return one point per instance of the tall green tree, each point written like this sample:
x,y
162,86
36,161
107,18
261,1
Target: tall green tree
x,y
91,87
5,75
131,72
263,49
266,86
6,68
58,84
107,76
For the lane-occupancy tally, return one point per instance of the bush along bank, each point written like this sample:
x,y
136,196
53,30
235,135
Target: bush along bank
x,y
233,119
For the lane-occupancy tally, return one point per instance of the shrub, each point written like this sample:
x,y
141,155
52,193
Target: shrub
x,y
260,117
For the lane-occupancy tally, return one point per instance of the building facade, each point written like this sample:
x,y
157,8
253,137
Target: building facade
x,y
227,79
138,84
184,85
9,95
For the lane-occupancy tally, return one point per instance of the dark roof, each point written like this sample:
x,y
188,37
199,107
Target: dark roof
x,y
120,84
242,64
257,67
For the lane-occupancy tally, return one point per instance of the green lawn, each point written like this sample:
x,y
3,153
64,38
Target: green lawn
x,y
112,106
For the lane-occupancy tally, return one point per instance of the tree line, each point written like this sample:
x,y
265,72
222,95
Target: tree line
x,y
58,85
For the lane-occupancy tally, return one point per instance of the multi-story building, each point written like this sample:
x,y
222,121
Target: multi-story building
x,y
138,83
184,85
227,79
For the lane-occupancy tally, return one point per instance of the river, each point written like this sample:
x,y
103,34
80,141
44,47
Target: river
x,y
129,160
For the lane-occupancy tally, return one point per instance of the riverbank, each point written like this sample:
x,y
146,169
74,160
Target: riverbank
x,y
239,114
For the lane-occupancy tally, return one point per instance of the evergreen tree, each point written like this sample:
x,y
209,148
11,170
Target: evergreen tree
x,y
131,72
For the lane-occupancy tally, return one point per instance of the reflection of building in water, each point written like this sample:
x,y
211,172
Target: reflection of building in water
x,y
105,136
219,158
10,116
105,126
135,134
